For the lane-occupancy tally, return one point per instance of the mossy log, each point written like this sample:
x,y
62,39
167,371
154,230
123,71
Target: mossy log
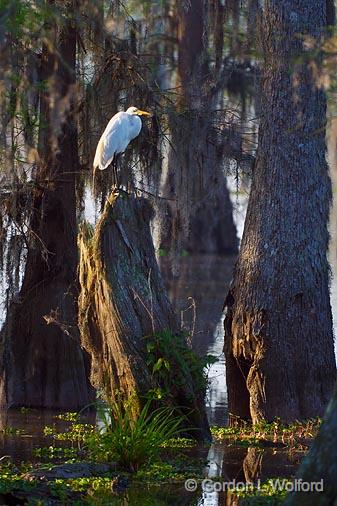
x,y
123,302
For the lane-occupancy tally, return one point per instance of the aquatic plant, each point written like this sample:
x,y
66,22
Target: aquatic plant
x,y
11,431
290,435
129,440
56,453
77,432
266,494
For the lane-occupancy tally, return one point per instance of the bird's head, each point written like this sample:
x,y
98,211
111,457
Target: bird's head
x,y
137,112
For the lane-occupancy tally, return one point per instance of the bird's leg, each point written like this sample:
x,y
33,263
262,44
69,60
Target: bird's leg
x,y
114,172
115,175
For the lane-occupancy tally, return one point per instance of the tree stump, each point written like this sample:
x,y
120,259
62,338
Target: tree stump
x,y
123,302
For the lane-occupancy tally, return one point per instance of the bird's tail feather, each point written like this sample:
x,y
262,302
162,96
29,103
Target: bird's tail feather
x,y
93,180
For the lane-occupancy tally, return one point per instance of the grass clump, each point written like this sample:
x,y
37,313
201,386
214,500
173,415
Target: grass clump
x,y
132,440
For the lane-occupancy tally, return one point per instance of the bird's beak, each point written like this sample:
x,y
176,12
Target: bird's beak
x,y
143,113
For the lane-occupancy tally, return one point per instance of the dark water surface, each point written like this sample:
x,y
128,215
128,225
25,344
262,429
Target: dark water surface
x,y
198,296
21,432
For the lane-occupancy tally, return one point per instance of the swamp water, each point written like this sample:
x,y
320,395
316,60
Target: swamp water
x,y
198,296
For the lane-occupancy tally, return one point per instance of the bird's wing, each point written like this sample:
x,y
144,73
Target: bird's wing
x,y
120,130
109,143
135,126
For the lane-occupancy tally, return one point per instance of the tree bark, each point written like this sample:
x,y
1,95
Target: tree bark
x,y
278,328
42,363
123,302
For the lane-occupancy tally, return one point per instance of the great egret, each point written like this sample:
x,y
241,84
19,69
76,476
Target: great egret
x,y
119,132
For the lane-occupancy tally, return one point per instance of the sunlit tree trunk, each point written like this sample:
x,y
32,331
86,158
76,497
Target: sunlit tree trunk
x,y
43,364
278,328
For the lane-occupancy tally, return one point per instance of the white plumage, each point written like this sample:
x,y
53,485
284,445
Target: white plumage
x,y
120,131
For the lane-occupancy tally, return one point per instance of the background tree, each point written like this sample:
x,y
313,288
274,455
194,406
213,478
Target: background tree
x,y
42,363
199,216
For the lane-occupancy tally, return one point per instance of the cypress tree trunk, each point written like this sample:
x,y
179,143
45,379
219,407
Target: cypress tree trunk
x,y
42,363
278,328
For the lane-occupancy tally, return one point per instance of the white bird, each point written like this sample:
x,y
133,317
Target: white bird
x,y
120,131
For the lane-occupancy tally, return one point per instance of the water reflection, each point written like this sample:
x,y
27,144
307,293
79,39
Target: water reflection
x,y
216,396
236,466
152,495
332,158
